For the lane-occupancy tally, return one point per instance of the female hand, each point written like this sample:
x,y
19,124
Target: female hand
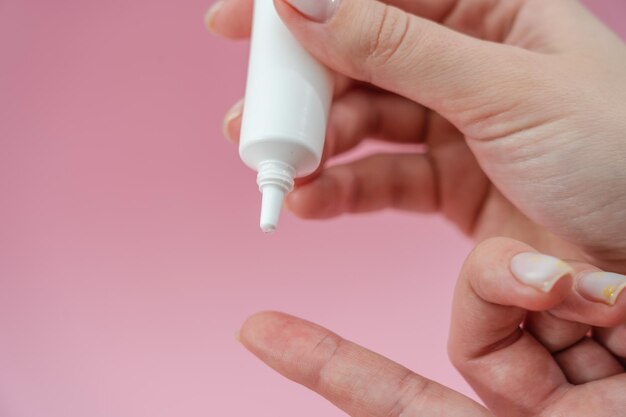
x,y
520,103
527,341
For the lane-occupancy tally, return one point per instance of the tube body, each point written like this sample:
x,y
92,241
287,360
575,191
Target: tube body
x,y
288,97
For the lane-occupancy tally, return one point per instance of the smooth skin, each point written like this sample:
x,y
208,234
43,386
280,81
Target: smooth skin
x,y
521,105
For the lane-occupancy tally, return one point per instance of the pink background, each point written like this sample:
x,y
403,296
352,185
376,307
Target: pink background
x,y
129,246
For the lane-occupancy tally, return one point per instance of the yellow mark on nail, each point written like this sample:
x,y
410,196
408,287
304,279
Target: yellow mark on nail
x,y
609,292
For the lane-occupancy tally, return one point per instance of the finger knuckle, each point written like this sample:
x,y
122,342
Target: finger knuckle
x,y
412,389
388,37
328,348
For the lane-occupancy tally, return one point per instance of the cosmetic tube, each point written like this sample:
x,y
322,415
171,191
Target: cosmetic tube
x,y
287,102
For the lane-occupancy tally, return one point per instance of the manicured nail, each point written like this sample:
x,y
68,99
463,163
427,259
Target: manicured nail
x,y
539,271
231,115
210,15
601,286
317,10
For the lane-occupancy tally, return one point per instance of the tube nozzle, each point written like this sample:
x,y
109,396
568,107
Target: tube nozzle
x,y
275,180
271,206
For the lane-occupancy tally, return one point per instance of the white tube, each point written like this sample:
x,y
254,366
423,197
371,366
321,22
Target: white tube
x,y
288,97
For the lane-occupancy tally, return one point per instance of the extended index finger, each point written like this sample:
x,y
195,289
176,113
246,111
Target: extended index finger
x,y
360,382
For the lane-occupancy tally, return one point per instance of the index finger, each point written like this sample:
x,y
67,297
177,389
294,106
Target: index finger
x,y
360,382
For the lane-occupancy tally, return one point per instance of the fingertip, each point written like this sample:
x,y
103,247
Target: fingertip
x,y
509,272
210,16
596,303
231,125
601,302
229,18
285,343
557,292
601,287
260,321
312,200
299,202
539,271
257,331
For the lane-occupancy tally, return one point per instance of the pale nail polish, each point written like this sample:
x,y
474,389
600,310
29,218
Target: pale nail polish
x,y
317,10
539,271
231,115
210,14
601,286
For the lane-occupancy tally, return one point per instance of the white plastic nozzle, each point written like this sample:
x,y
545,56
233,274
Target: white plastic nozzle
x,y
273,199
275,180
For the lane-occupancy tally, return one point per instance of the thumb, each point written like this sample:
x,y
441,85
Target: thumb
x,y
381,44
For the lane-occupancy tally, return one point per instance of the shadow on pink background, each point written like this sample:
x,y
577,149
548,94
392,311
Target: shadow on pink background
x,y
129,245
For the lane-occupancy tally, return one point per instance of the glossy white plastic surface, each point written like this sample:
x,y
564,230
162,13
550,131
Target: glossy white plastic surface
x,y
288,97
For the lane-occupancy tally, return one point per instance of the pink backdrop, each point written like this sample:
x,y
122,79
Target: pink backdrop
x,y
129,246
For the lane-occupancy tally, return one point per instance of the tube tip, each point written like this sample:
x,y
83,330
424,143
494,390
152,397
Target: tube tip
x,y
271,206
268,228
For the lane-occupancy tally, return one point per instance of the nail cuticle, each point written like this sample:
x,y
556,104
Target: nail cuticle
x,y
320,11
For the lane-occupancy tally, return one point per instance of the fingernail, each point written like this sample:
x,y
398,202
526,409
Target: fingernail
x,y
317,10
539,271
601,286
231,115
210,15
